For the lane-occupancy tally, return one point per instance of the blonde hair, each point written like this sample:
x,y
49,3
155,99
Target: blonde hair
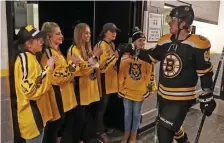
x,y
48,27
85,47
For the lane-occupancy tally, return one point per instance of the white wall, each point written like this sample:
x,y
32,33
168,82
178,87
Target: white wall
x,y
220,34
4,40
207,10
32,15
209,31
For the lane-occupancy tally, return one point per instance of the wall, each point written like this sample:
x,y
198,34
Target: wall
x,y
205,11
32,15
220,34
6,120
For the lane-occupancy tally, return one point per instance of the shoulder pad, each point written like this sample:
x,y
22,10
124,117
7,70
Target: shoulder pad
x,y
198,41
164,39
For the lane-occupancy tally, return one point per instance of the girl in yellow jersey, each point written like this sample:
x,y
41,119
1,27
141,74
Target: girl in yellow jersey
x,y
63,98
31,85
136,83
86,80
108,69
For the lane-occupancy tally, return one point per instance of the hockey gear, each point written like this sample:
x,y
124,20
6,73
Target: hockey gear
x,y
214,83
207,103
125,48
183,13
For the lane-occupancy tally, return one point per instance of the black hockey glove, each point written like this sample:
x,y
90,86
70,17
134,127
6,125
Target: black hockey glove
x,y
125,48
207,103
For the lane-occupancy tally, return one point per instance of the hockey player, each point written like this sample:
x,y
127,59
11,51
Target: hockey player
x,y
184,58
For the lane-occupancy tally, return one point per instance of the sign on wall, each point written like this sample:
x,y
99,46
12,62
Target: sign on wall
x,y
20,8
154,27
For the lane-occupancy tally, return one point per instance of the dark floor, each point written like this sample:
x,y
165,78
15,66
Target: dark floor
x,y
213,130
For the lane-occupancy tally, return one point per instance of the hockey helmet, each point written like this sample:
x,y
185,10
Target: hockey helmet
x,y
183,12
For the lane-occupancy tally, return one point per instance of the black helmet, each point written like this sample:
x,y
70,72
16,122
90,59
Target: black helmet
x,y
183,12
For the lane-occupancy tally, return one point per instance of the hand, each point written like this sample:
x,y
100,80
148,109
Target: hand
x,y
75,59
98,52
52,61
93,62
116,54
125,48
207,103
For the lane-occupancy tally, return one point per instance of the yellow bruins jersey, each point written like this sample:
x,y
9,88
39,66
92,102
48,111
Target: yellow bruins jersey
x,y
108,67
64,96
135,76
32,85
181,65
85,81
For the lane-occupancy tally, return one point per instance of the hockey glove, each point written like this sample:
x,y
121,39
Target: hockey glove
x,y
125,48
207,103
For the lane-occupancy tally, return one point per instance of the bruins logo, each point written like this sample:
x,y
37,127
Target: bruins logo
x,y
172,65
92,75
135,71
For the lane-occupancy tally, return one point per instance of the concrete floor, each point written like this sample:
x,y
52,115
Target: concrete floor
x,y
212,132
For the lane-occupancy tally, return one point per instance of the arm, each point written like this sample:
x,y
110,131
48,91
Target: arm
x,y
29,83
61,73
107,59
83,68
147,55
204,70
151,55
121,79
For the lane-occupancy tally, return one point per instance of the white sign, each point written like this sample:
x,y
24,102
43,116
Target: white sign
x,y
154,27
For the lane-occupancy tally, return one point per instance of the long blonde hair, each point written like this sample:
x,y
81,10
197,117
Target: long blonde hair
x,y
85,47
48,27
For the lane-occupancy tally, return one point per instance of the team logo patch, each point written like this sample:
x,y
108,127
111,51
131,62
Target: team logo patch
x,y
172,65
207,56
186,8
135,71
29,28
92,75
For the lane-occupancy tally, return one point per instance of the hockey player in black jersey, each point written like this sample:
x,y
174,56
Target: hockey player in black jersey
x,y
184,58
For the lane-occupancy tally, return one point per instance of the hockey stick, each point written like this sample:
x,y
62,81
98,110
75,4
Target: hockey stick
x,y
156,123
213,87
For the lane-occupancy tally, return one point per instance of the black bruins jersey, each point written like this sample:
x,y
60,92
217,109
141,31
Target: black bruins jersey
x,y
181,65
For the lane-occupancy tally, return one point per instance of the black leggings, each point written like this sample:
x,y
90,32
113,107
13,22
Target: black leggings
x,y
80,128
66,132
51,131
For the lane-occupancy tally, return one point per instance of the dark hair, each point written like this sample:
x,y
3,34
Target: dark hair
x,y
101,36
15,50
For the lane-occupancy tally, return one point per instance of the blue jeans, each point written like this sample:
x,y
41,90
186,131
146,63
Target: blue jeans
x,y
37,139
132,114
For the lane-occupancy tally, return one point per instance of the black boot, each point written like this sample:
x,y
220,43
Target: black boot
x,y
184,139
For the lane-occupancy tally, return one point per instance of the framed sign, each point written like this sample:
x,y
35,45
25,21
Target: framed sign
x,y
154,27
